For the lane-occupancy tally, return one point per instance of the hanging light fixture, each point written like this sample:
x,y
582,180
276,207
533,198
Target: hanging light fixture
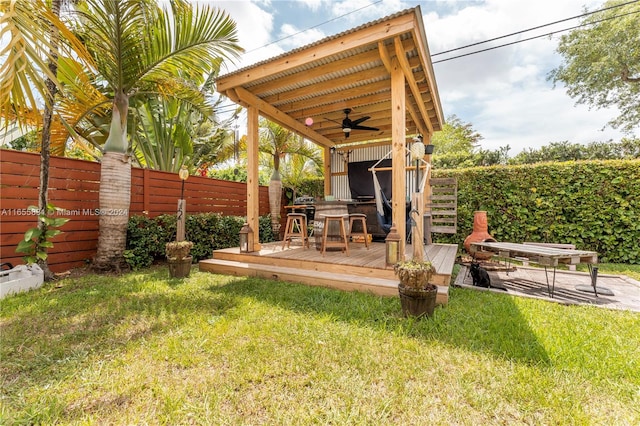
x,y
417,149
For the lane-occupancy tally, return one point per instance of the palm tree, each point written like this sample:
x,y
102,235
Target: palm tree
x,y
168,132
141,48
299,168
275,144
33,25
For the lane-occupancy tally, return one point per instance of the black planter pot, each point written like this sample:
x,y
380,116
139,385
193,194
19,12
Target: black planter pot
x,y
180,268
418,303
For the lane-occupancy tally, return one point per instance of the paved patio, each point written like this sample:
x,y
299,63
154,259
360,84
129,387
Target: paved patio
x,y
623,292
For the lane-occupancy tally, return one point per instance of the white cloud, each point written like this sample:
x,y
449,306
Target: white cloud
x,y
504,93
296,38
255,27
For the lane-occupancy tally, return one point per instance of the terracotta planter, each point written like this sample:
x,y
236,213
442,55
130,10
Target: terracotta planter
x,y
418,302
180,268
480,233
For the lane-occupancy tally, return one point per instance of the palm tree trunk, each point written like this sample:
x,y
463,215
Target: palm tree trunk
x,y
45,154
275,197
115,191
115,198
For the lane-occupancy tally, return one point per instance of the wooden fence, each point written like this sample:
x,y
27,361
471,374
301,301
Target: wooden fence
x,y
74,187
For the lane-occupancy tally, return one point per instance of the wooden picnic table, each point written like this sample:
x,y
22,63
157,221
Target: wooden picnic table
x,y
543,255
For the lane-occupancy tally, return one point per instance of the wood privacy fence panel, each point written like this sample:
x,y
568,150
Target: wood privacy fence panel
x,y
74,186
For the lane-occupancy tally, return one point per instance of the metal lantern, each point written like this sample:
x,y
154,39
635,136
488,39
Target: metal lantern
x,y
246,239
392,247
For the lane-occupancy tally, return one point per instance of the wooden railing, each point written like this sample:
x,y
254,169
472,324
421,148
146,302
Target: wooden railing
x,y
74,187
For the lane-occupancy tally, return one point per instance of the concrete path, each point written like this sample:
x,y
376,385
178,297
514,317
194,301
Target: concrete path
x,y
614,291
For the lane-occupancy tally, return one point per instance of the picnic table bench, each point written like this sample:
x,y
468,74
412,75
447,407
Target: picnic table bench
x,y
545,255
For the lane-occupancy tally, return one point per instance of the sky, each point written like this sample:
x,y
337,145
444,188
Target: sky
x,y
503,93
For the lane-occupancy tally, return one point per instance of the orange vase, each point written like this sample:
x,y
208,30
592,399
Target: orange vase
x,y
480,233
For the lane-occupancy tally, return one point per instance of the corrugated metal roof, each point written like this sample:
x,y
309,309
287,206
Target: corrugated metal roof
x,y
319,42
350,71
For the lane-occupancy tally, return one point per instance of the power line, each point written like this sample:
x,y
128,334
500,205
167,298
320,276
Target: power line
x,y
535,28
319,25
530,38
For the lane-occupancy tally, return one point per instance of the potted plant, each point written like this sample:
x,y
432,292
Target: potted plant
x,y
179,258
417,294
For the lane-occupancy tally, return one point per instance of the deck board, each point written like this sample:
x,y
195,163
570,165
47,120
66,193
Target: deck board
x,y
362,270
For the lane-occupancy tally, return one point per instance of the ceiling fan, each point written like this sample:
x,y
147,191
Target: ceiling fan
x,y
348,125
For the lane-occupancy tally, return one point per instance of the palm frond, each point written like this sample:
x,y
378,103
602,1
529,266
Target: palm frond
x,y
27,54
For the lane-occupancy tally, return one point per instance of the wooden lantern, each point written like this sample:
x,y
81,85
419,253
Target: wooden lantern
x,y
246,239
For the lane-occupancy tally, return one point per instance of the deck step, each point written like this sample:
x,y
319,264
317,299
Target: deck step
x,y
347,282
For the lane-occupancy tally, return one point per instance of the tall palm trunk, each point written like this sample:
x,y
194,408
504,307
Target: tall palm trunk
x,y
275,197
115,197
115,191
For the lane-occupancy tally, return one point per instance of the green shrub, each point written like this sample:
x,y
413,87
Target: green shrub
x,y
147,237
592,204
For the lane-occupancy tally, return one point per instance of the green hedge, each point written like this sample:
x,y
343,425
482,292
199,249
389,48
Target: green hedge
x,y
592,204
146,237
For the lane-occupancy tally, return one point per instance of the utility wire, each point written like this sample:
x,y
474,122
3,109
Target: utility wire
x,y
535,28
530,38
319,25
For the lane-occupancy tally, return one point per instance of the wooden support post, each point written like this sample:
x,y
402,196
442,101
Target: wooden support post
x,y
426,199
327,171
182,219
253,196
398,156
418,230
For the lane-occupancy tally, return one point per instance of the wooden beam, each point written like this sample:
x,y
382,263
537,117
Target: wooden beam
x,y
355,61
281,118
319,89
327,172
384,56
355,92
253,197
310,110
404,64
386,60
398,118
351,40
416,119
420,40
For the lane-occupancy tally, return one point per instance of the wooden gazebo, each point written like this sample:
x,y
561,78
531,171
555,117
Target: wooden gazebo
x,y
381,69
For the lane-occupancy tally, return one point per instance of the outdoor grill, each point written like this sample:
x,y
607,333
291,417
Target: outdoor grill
x,y
309,210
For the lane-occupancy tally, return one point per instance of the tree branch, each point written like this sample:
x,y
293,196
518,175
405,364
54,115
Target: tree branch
x,y
625,76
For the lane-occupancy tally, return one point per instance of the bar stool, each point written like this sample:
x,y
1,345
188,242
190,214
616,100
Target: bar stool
x,y
343,244
294,220
362,218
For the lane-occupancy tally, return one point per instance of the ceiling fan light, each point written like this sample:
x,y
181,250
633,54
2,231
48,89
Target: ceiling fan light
x,y
346,129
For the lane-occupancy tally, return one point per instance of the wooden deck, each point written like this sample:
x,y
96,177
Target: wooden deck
x,y
362,270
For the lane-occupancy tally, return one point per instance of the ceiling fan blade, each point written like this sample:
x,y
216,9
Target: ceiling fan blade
x,y
364,128
360,120
337,122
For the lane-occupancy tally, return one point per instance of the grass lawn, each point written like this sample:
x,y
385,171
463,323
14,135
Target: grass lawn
x,y
212,349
